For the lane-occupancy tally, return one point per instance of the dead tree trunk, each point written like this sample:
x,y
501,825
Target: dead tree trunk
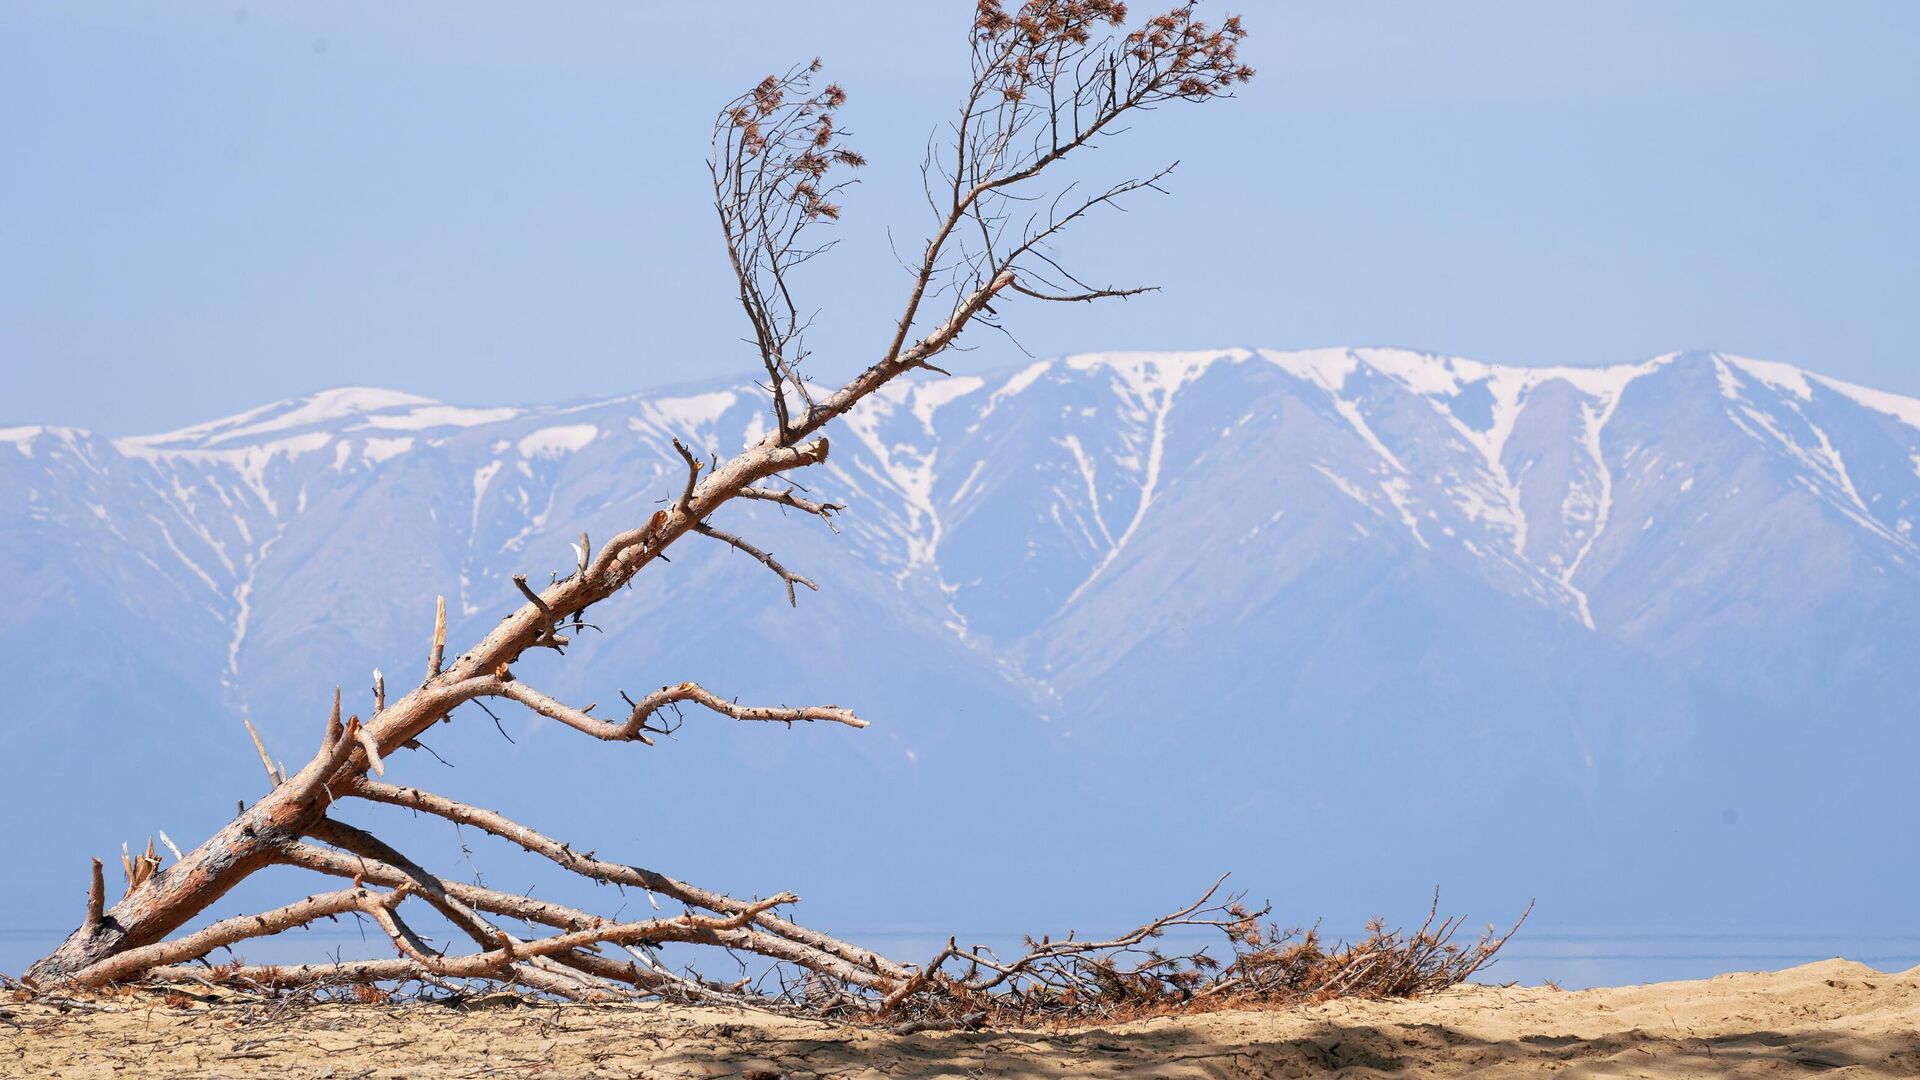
x,y
1048,79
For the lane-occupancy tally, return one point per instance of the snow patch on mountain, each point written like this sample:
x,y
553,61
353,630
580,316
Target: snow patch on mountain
x,y
1904,409
438,416
689,412
1325,368
1147,383
313,409
928,397
550,442
1826,472
166,535
377,450
1783,377
249,463
1013,387
907,469
21,438
243,613
1089,475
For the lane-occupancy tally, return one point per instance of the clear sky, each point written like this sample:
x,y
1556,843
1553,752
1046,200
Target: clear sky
x,y
207,206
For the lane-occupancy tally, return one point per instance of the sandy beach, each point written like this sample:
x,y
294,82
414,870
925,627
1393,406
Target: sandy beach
x,y
1834,1016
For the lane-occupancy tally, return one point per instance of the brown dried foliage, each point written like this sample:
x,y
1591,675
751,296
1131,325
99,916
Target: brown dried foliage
x,y
1076,982
779,163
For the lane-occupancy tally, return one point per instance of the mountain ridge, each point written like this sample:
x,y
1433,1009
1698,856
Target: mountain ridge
x,y
1174,588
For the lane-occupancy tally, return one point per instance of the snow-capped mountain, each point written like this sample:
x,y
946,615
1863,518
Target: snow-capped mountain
x,y
1639,640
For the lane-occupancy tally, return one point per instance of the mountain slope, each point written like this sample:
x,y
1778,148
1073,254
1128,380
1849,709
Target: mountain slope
x,y
1351,621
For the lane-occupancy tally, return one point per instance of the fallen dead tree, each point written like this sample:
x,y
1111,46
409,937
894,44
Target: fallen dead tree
x,y
1049,80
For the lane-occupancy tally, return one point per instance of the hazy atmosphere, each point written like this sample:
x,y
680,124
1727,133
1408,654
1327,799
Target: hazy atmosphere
x,y
510,507
231,203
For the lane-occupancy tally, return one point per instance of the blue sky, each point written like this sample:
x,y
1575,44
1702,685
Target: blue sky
x,y
207,206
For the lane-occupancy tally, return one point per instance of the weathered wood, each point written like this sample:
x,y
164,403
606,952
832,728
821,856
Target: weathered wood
x,y
439,651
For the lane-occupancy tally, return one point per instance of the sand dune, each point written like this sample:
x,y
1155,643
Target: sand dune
x,y
1835,1016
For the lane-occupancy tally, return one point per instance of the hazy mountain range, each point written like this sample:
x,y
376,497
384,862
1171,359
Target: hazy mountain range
x,y
1638,640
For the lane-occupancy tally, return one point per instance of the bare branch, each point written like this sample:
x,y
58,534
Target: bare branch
x,y
765,558
369,744
699,695
310,782
613,873
274,779
227,931
1084,297
288,976
636,728
756,931
546,635
358,864
439,651
577,719
694,465
823,510
628,552
1053,951
331,734
1046,83
774,149
370,851
96,896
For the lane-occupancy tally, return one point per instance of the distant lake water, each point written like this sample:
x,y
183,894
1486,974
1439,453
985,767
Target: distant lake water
x,y
1574,959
